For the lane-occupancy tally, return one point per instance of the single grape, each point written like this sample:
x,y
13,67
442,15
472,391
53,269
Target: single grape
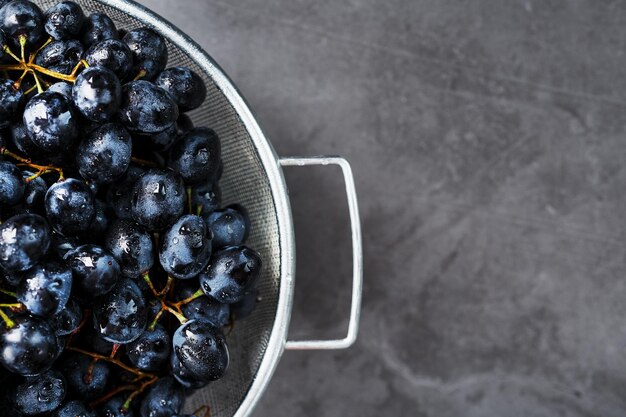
x,y
45,288
67,320
94,269
70,206
231,273
149,52
50,123
22,18
64,20
151,350
97,94
230,226
104,154
131,245
163,399
41,394
98,27
196,156
201,349
74,409
186,247
29,347
12,183
60,56
121,315
206,198
24,241
10,101
158,199
87,379
184,85
113,55
146,108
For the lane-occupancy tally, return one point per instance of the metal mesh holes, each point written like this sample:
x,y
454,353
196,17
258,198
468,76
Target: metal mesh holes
x,y
245,181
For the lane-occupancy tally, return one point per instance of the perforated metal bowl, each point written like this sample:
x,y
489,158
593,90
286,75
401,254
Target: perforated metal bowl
x,y
252,176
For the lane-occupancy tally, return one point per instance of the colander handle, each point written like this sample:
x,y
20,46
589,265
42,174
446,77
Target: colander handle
x,y
357,255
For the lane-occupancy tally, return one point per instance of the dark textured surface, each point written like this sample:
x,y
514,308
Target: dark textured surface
x,y
488,141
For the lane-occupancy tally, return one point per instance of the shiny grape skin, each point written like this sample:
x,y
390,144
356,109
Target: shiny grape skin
x,y
76,367
41,394
182,375
98,27
70,206
206,198
196,155
184,85
97,94
112,54
10,101
50,123
104,155
68,319
74,409
186,247
62,87
131,245
45,288
24,241
119,195
149,52
163,399
64,20
230,226
12,184
231,273
121,315
94,269
158,199
99,224
60,56
201,349
30,347
146,108
151,350
22,17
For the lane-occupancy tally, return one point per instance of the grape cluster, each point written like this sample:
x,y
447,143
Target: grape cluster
x,y
119,267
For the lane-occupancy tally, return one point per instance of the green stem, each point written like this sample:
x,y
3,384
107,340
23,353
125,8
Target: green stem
x,y
7,320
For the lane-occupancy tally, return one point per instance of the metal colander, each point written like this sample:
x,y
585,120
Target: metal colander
x,y
253,177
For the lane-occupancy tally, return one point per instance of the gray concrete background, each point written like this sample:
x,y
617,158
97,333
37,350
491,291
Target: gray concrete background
x,y
488,141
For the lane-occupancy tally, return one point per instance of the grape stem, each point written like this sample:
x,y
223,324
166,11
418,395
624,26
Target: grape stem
x,y
7,320
174,308
138,391
42,169
156,320
111,394
205,408
111,360
7,292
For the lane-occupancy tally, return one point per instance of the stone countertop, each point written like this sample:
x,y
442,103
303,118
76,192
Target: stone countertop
x,y
488,143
